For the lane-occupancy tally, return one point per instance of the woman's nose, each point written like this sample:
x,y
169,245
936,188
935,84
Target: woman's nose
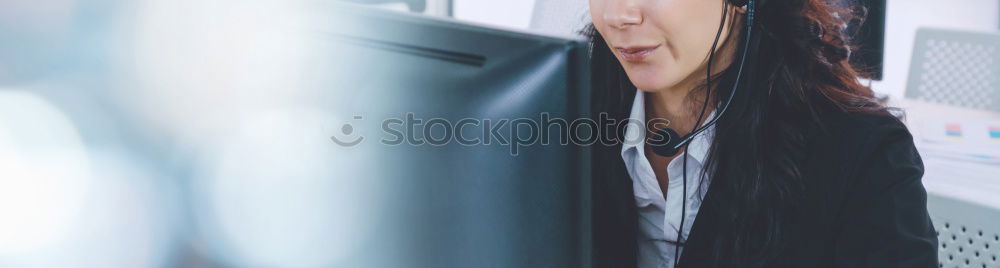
x,y
622,13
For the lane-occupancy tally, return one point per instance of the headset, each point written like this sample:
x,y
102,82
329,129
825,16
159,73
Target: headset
x,y
670,144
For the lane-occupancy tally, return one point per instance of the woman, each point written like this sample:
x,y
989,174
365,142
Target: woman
x,y
802,168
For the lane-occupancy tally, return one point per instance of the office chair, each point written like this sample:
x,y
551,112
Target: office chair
x,y
968,233
956,68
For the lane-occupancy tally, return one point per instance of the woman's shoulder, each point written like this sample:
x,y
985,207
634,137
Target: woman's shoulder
x,y
853,145
861,128
866,180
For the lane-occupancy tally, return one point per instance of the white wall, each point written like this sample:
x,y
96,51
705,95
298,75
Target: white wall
x,y
506,13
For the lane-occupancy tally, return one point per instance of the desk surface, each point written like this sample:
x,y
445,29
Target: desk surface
x,y
974,182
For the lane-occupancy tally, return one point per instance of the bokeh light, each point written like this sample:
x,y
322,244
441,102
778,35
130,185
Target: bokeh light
x,y
46,175
277,192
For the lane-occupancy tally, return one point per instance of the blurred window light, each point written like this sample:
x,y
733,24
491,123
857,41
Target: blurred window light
x,y
35,35
223,59
277,193
44,173
63,204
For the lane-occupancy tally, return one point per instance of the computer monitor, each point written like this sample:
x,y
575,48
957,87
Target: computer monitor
x,y
226,136
459,196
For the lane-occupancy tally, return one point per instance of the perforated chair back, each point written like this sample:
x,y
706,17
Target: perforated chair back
x,y
956,68
968,233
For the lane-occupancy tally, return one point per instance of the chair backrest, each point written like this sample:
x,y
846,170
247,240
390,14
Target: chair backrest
x,y
956,68
968,233
560,16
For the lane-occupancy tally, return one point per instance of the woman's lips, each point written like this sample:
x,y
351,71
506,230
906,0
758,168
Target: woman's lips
x,y
637,53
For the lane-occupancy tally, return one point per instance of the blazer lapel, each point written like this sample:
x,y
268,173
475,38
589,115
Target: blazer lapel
x,y
699,245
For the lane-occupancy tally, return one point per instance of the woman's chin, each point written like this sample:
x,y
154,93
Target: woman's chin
x,y
649,80
650,85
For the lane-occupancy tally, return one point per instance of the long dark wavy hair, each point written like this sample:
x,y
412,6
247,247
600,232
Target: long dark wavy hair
x,y
797,72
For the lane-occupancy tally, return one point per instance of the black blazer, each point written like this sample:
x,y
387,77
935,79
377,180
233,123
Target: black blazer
x,y
865,204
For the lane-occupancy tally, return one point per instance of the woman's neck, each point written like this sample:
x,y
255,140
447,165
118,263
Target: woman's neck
x,y
680,104
679,108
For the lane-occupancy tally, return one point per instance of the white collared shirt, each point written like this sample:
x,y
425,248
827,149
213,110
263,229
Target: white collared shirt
x,y
659,218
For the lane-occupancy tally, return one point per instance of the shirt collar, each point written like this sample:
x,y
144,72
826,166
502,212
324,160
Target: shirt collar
x,y
635,132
